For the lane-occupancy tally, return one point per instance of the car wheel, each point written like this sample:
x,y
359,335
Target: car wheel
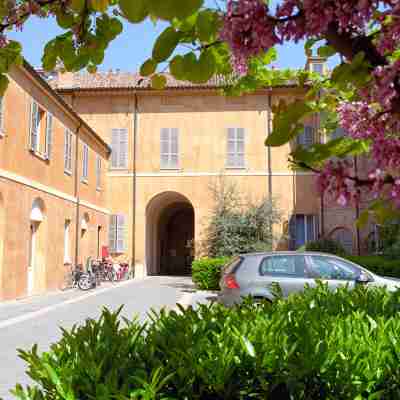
x,y
85,282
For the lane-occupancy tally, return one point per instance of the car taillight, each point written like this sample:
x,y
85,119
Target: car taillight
x,y
230,282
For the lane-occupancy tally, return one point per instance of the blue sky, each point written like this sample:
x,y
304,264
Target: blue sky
x,y
130,49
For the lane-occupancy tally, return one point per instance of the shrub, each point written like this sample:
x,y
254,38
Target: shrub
x,y
378,265
206,272
316,345
326,245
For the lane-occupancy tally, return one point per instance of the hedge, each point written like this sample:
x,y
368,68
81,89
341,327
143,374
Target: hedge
x,y
206,272
316,345
378,265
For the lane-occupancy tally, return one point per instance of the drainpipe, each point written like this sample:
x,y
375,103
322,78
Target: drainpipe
x,y
134,153
76,194
269,127
357,210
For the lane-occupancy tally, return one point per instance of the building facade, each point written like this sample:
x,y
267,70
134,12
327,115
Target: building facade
x,y
53,188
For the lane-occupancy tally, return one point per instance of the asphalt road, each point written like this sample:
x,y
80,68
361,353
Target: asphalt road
x,y
37,320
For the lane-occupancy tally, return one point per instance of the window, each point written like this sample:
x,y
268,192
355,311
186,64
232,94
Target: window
x,y
85,162
68,151
235,148
98,172
117,233
333,268
169,145
302,229
119,147
67,259
34,134
1,115
49,136
306,138
294,266
337,133
318,68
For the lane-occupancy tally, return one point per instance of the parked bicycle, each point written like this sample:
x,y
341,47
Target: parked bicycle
x,y
73,277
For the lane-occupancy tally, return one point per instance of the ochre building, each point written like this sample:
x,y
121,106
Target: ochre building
x,y
139,179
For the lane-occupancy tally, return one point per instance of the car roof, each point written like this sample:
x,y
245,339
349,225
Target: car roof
x,y
286,253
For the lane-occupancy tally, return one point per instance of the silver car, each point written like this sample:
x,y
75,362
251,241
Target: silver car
x,y
256,275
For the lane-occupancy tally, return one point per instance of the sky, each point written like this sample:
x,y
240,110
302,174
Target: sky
x,y
130,49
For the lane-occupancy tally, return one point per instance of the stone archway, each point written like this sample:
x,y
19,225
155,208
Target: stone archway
x,y
169,234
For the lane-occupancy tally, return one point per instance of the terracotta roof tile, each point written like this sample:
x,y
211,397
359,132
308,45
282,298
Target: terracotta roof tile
x,y
123,80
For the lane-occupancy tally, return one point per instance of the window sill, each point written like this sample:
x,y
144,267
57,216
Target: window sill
x,y
233,167
2,134
39,155
98,189
118,169
67,172
172,169
85,181
67,262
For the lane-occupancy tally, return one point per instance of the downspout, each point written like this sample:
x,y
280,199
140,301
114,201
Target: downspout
x,y
269,127
358,239
134,153
77,221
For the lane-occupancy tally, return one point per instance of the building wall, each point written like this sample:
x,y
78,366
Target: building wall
x,y
202,119
28,178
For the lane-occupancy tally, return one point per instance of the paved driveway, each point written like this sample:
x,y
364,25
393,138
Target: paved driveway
x,y
37,320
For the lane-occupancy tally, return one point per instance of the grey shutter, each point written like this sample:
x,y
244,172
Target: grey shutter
x,y
70,150
306,139
337,133
66,149
85,160
114,148
240,143
164,148
120,233
174,148
112,234
231,147
49,135
310,225
123,148
33,134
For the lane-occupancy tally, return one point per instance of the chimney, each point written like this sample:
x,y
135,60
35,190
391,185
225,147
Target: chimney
x,y
315,63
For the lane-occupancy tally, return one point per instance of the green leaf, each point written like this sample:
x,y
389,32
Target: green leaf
x,y
134,10
3,83
64,20
176,67
158,82
170,9
148,67
165,44
363,219
99,5
287,123
326,51
207,25
77,5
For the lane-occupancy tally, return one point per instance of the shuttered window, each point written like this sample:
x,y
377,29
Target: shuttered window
x,y
98,172
169,148
235,148
307,137
337,133
34,139
49,136
1,115
119,147
302,229
68,151
85,162
117,233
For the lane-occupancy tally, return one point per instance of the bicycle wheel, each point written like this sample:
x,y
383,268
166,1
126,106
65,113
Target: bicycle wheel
x,y
85,282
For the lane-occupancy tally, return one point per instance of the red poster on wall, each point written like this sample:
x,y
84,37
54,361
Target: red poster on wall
x,y
104,252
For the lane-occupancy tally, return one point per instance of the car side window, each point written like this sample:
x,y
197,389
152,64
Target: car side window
x,y
333,268
285,265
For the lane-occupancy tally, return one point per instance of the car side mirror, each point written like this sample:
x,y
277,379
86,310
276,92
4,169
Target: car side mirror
x,y
363,278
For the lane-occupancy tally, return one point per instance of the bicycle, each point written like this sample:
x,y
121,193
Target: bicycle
x,y
72,277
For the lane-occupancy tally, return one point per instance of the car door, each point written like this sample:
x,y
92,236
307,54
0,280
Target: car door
x,y
287,270
333,271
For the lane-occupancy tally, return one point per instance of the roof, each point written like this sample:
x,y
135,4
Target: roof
x,y
114,80
39,79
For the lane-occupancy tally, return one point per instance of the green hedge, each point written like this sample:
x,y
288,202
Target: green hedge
x,y
206,272
316,345
378,265
326,245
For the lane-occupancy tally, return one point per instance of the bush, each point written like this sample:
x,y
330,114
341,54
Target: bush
x,y
316,345
327,246
378,265
206,272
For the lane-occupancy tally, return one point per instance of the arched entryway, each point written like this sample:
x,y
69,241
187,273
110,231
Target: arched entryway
x,y
169,234
36,271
